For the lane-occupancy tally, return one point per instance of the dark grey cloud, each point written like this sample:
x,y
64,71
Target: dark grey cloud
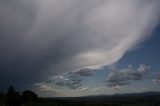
x,y
39,39
82,72
74,83
123,77
59,80
17,67
71,81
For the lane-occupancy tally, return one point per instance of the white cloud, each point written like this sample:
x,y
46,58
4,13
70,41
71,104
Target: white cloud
x,y
156,81
155,78
100,32
83,89
100,89
116,87
47,88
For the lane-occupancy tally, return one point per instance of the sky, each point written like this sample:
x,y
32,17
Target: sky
x,y
70,48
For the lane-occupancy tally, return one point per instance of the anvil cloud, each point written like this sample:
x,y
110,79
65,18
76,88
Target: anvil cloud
x,y
42,38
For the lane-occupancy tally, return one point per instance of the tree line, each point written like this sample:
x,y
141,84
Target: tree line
x,y
14,98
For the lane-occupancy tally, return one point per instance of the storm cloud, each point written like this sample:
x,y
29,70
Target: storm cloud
x,y
43,38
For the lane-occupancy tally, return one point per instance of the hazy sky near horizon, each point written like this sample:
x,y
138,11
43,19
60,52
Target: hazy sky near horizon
x,y
80,47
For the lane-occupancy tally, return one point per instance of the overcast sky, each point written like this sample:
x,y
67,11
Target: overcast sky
x,y
80,47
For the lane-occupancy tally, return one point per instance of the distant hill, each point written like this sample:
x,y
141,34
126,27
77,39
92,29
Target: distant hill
x,y
124,98
151,93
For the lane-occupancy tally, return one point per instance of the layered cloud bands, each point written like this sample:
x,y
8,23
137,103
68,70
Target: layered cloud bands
x,y
124,76
56,36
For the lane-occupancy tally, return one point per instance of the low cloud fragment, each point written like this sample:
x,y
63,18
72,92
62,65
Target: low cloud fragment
x,y
156,78
74,82
82,72
123,77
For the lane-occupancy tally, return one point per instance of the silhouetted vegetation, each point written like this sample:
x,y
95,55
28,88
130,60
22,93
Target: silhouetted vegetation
x,y
29,98
13,98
